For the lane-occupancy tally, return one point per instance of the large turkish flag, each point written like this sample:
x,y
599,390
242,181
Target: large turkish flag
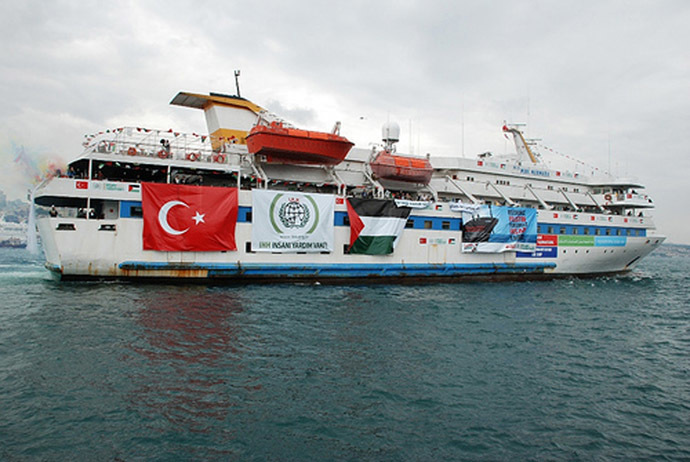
x,y
191,218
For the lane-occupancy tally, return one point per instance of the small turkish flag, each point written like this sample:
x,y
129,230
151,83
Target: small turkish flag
x,y
188,218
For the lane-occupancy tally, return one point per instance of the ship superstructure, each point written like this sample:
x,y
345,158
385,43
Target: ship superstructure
x,y
140,203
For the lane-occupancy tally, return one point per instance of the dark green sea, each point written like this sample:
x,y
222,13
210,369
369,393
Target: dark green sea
x,y
595,369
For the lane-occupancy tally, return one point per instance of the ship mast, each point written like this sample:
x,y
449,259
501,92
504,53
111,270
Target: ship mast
x,y
237,82
521,145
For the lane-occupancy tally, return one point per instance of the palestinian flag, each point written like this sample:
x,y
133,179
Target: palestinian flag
x,y
375,225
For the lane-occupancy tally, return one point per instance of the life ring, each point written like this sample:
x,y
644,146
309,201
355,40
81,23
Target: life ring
x,y
220,158
607,197
163,154
132,151
193,156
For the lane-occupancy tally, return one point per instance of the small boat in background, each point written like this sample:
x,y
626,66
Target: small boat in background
x,y
283,145
388,166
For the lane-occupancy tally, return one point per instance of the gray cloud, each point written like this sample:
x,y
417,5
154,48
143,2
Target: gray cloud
x,y
585,75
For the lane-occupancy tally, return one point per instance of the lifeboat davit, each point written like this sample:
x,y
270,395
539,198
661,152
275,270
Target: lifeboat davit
x,y
285,145
388,166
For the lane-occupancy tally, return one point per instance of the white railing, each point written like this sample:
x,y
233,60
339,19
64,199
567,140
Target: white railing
x,y
163,144
625,199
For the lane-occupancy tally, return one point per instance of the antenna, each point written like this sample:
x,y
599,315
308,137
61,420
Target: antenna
x,y
237,82
411,139
609,147
462,133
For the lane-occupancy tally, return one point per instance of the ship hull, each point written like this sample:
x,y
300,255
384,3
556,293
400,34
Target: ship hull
x,y
112,249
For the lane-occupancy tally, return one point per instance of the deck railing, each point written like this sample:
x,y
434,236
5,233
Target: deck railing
x,y
163,144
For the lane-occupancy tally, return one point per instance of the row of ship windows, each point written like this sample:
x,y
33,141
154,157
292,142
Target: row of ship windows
x,y
590,230
244,215
341,219
507,183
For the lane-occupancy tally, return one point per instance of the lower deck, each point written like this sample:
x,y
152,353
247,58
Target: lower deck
x,y
430,249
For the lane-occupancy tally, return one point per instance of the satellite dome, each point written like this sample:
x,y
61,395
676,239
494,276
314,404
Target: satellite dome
x,y
390,132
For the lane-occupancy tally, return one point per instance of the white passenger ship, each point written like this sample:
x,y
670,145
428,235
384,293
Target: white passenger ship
x,y
143,204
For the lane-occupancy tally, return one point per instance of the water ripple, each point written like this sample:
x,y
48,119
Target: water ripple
x,y
566,369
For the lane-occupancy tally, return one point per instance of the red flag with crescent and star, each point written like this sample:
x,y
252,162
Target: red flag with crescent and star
x,y
188,218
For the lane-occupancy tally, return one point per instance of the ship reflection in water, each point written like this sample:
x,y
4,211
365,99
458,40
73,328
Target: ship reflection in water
x,y
188,359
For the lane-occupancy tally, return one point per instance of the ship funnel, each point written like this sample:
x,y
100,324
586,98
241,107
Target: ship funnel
x,y
390,134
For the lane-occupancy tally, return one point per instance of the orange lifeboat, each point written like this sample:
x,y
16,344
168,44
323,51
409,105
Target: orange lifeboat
x,y
293,146
388,166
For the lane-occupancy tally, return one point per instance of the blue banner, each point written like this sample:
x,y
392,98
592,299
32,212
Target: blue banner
x,y
540,252
496,229
610,241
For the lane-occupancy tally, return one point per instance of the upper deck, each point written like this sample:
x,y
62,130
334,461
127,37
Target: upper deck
x,y
116,161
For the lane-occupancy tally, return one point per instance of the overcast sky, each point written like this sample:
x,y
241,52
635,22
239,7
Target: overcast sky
x,y
607,82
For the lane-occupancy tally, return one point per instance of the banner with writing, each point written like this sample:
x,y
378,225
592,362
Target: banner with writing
x,y
494,229
289,222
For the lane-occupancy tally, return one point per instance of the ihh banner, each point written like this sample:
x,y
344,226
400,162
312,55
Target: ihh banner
x,y
285,221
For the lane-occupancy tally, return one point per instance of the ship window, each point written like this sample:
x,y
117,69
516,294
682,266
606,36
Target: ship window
x,y
550,230
585,231
346,220
66,227
107,228
575,231
549,187
608,231
628,232
346,249
445,225
409,223
135,211
248,247
597,231
427,224
562,230
618,232
576,189
248,217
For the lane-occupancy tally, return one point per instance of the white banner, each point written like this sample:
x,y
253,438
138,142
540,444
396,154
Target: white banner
x,y
412,204
289,222
466,208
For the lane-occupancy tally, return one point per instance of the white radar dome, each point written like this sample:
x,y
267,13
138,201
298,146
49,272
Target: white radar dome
x,y
390,132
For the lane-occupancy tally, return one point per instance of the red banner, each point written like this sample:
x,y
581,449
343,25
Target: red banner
x,y
547,240
188,218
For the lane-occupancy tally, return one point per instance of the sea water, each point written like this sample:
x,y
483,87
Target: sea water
x,y
568,369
